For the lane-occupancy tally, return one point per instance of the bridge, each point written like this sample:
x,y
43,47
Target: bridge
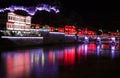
x,y
99,39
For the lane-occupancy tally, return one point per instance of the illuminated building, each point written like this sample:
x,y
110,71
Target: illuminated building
x,y
70,29
51,29
80,32
60,29
18,22
15,23
35,26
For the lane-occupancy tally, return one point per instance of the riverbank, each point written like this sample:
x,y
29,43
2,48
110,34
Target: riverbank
x,y
11,43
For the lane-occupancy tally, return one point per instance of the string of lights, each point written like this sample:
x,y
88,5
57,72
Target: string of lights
x,y
31,10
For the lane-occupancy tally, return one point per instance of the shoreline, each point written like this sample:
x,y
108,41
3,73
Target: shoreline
x,y
7,45
12,42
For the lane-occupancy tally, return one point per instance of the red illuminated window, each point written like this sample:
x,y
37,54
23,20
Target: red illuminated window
x,y
60,29
70,29
51,28
37,26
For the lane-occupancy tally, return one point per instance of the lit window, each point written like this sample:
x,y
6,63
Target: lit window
x,y
8,26
23,20
8,17
11,18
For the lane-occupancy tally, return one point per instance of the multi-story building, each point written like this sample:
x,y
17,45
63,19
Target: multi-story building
x,y
14,22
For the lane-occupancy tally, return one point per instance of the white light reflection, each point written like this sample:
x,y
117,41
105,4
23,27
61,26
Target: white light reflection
x,y
37,58
112,51
98,38
86,49
113,42
32,58
98,50
56,33
113,38
43,59
86,40
9,37
70,35
53,58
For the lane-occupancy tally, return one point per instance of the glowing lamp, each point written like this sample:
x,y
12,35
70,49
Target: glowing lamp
x,y
113,47
113,38
98,38
86,38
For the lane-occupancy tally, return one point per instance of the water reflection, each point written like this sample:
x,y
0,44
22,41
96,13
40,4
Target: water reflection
x,y
86,49
98,50
69,56
112,51
45,62
17,65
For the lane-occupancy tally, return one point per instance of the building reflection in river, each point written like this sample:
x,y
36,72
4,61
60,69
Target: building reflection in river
x,y
69,56
17,65
112,51
45,62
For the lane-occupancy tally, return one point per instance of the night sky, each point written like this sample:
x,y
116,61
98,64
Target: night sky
x,y
95,13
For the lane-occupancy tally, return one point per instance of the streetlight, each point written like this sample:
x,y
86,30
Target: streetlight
x,y
101,31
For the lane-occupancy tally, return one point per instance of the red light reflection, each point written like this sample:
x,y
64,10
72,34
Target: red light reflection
x,y
17,65
105,46
92,48
51,57
60,56
69,56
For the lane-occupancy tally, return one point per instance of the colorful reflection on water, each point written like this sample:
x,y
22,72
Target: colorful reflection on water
x,y
46,62
17,65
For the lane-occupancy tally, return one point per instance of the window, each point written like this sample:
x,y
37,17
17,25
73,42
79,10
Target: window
x,y
11,18
21,20
7,25
8,17
14,18
24,20
11,26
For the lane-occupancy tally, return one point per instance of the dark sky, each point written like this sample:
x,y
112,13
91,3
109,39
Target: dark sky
x,y
96,13
102,14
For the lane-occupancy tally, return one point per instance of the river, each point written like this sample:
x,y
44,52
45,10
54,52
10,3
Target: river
x,y
62,61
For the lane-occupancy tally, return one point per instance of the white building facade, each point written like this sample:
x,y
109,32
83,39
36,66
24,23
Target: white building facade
x,y
17,22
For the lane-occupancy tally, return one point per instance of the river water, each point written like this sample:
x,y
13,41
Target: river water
x,y
62,61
